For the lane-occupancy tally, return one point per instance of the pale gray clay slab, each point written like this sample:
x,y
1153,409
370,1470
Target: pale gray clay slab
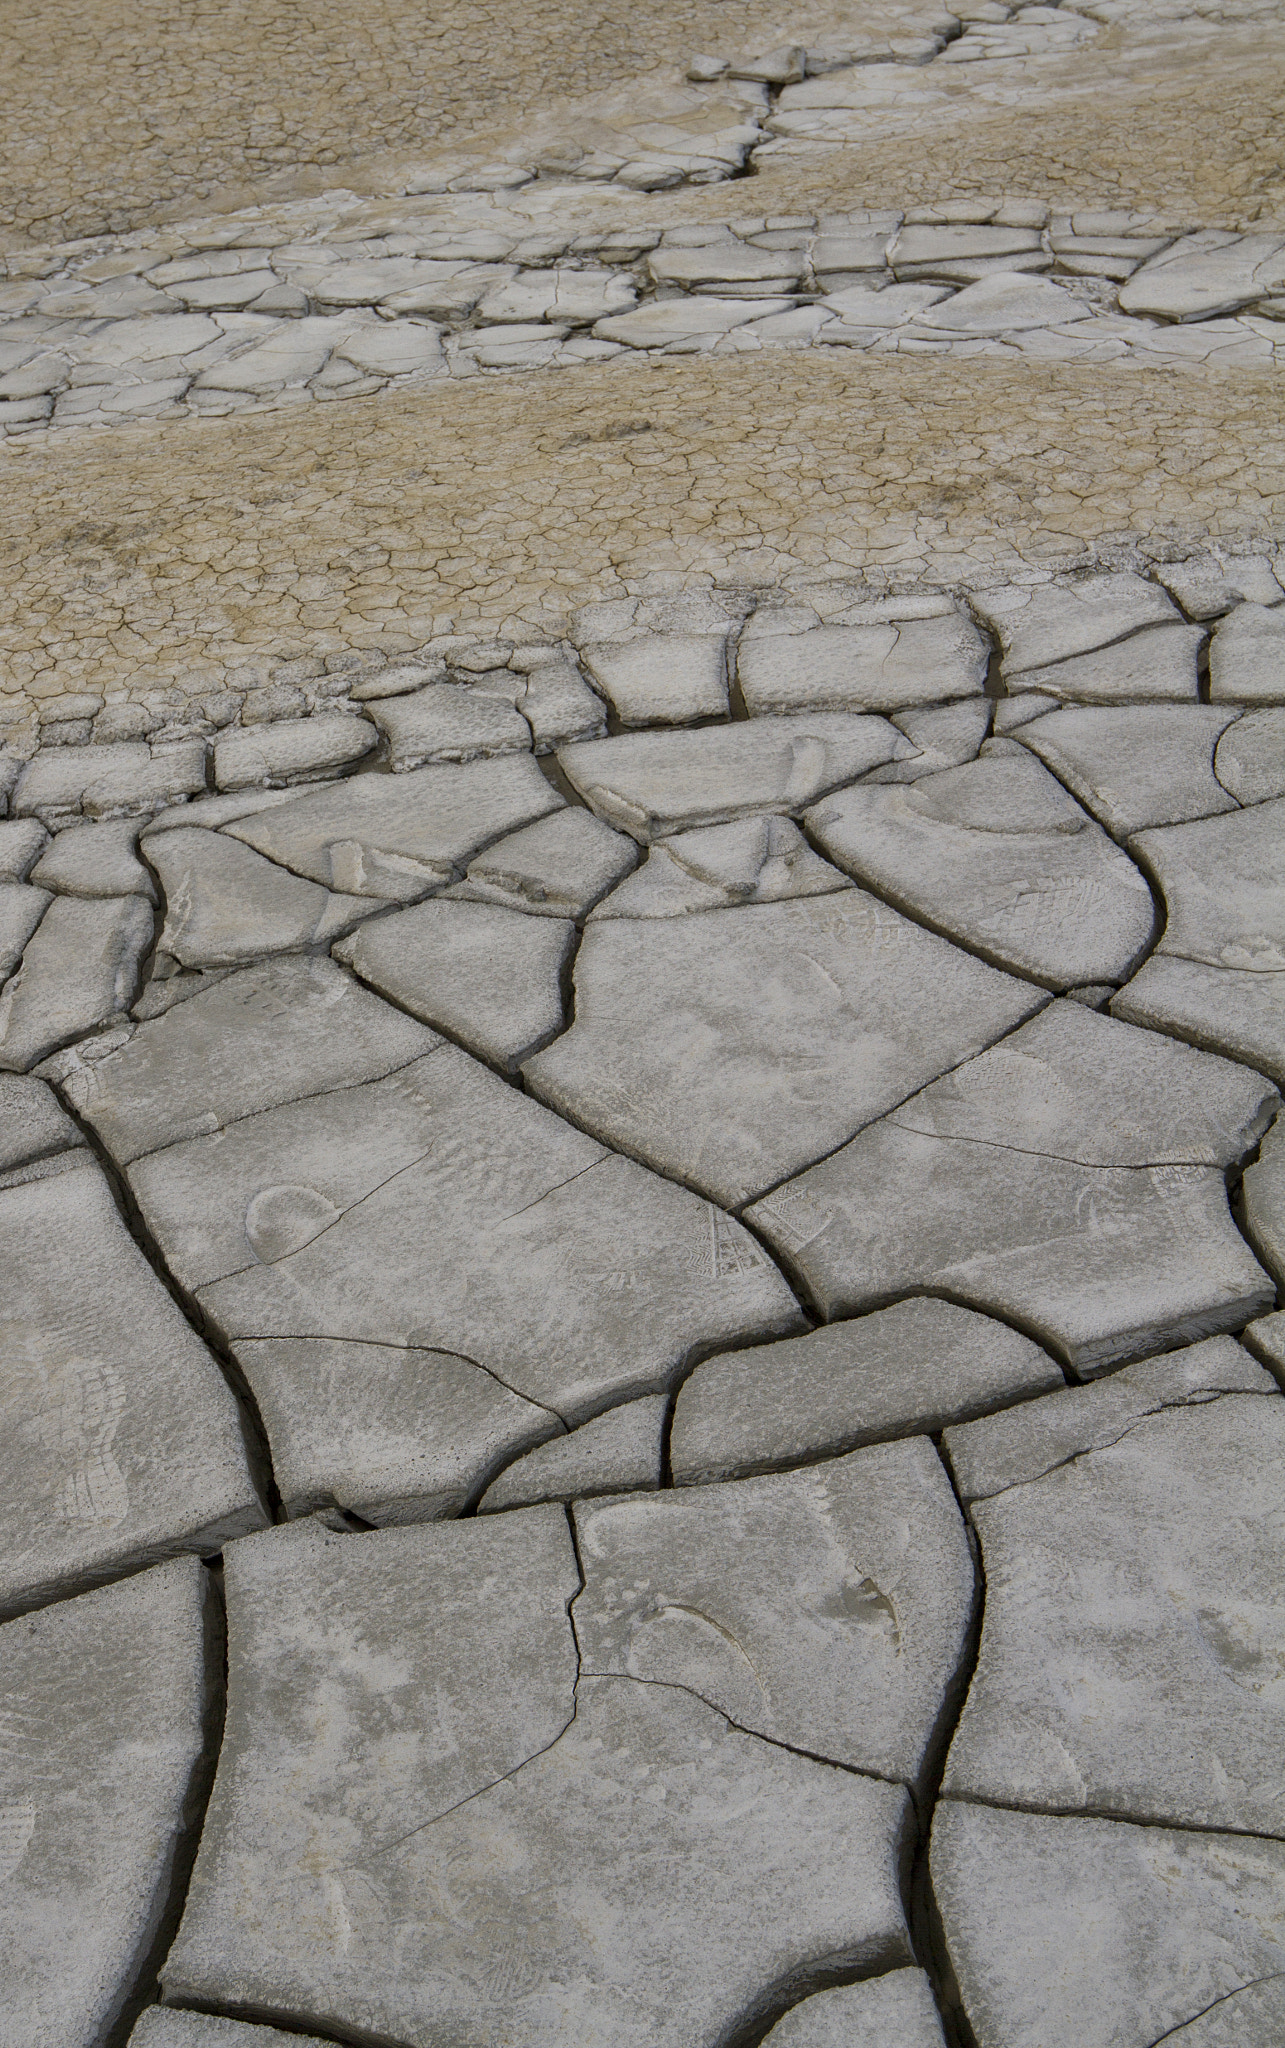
x,y
661,678
1069,1180
1218,973
616,1452
1223,881
266,1035
946,736
438,1658
21,908
1224,1009
1265,1201
80,967
1249,760
120,1443
894,2011
1137,765
1158,665
1205,274
1266,1339
1011,1449
729,1049
213,811
162,2026
22,841
225,905
1066,1932
1050,622
449,722
902,1371
609,1888
875,667
399,836
826,1608
490,976
1131,1651
95,860
123,781
297,749
441,1209
558,867
1246,657
559,706
754,860
997,856
391,1434
1243,2019
650,784
1206,586
33,1124
104,1764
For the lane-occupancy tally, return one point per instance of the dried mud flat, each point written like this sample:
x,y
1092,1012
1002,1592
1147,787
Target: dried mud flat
x,y
642,1021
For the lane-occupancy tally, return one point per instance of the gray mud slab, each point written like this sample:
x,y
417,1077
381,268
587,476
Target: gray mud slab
x,y
1218,973
295,749
388,1433
559,706
1065,1932
443,1210
1053,621
399,836
1246,657
1256,2013
125,781
894,2011
946,736
80,967
999,1451
997,856
902,1371
103,1702
827,1609
661,678
447,722
1223,882
1139,765
651,784
22,841
375,1682
1265,1201
120,1442
162,2026
267,1035
225,905
1158,665
619,1451
1070,1181
1221,1009
729,1049
877,667
1250,757
613,1887
1266,1339
1131,1651
33,1123
488,976
21,908
95,860
558,867
1208,585
755,860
